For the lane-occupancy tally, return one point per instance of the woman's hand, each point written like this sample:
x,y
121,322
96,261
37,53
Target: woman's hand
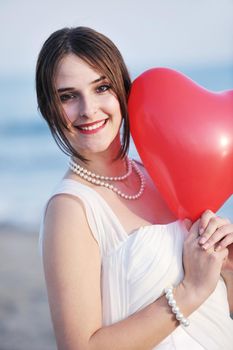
x,y
217,233
202,267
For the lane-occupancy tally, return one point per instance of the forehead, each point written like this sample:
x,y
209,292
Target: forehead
x,y
73,71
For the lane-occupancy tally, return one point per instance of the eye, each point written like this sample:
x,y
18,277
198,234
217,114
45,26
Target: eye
x,y
67,97
103,88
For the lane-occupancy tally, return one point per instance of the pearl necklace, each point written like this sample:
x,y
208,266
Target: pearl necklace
x,y
98,179
101,177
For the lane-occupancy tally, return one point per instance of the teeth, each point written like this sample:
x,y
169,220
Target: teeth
x,y
93,127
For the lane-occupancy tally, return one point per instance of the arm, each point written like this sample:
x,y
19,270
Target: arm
x,y
72,272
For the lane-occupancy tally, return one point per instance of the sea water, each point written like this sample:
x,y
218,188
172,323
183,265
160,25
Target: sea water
x,y
31,163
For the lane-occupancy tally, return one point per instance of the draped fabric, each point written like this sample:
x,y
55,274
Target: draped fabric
x,y
137,267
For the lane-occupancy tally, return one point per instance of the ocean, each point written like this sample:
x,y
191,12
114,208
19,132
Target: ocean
x,y
31,163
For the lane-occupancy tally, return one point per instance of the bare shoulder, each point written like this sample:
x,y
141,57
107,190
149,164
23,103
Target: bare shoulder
x,y
62,202
66,225
65,213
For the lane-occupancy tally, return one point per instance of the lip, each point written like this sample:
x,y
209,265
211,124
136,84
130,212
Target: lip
x,y
90,124
94,131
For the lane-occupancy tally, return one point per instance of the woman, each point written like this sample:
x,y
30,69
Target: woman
x,y
110,244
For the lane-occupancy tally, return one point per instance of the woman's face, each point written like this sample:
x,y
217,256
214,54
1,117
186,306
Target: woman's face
x,y
90,105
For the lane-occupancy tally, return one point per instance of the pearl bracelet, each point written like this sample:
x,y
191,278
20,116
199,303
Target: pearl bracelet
x,y
175,309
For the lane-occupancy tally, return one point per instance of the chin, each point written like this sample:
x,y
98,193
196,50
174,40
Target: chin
x,y
98,147
93,150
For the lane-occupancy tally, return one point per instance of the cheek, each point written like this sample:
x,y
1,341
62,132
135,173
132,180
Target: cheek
x,y
113,106
70,112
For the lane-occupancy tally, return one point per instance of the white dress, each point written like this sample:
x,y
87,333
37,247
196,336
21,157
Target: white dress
x,y
137,267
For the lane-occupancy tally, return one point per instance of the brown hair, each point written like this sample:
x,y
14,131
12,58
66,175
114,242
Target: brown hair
x,y
101,54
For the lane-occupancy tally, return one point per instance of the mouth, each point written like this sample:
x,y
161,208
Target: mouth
x,y
92,128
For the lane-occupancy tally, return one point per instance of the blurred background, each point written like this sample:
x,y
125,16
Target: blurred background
x,y
194,37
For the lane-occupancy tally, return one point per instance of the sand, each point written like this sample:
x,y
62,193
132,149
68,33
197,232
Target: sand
x,y
24,315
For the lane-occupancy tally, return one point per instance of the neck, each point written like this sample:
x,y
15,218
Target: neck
x,y
103,166
103,163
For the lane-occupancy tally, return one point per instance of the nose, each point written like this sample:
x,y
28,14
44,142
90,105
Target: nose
x,y
87,106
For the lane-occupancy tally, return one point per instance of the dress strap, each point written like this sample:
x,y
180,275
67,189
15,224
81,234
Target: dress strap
x,y
104,228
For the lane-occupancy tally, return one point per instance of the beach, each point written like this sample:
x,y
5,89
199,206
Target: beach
x,y
25,320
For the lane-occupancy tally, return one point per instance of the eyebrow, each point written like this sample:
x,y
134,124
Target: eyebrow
x,y
72,88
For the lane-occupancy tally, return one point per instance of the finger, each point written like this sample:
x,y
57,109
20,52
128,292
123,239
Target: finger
x,y
225,242
204,220
217,236
187,223
214,223
194,230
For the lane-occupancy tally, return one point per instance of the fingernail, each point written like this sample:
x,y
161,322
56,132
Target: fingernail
x,y
205,246
202,240
201,230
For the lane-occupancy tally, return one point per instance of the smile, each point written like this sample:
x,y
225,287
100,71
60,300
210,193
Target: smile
x,y
93,128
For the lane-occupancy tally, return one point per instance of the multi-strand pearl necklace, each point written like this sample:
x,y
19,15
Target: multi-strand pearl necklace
x,y
100,180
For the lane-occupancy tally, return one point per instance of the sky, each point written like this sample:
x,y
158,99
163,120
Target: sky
x,y
148,33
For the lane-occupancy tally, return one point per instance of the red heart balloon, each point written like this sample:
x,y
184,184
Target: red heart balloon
x,y
184,136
